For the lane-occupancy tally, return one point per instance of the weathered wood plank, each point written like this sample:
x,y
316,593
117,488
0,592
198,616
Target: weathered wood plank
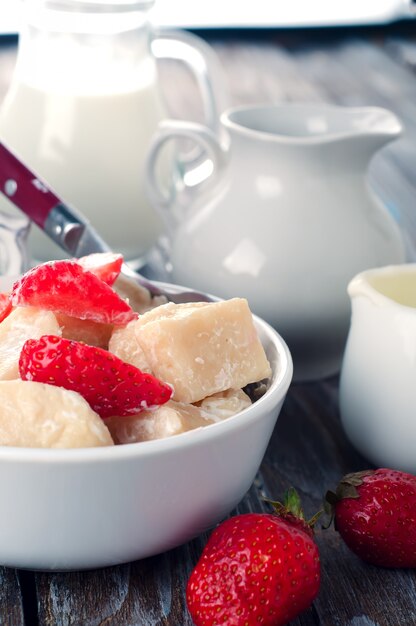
x,y
262,72
402,50
11,601
148,592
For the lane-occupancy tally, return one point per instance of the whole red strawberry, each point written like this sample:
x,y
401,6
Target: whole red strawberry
x,y
256,568
375,514
108,384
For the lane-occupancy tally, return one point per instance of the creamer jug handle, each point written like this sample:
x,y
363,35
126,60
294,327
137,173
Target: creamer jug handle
x,y
193,182
203,62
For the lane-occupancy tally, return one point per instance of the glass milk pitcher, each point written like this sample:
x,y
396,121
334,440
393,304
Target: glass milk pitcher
x,y
83,105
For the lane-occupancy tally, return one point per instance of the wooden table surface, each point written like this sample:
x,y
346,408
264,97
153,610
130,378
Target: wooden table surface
x,y
308,448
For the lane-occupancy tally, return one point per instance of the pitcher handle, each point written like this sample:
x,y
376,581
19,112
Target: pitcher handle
x,y
205,138
201,59
14,257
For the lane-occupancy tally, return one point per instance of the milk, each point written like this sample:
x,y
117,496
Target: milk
x,y
90,148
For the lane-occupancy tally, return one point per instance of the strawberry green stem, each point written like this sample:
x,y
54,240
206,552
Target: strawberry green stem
x,y
291,505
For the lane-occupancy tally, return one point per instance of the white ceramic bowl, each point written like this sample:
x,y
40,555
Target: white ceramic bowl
x,y
90,508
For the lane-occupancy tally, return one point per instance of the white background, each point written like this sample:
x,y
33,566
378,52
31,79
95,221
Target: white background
x,y
240,13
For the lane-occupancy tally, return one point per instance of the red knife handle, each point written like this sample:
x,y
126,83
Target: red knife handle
x,y
24,188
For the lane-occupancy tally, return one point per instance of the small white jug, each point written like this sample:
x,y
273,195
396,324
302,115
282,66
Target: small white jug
x,y
286,218
378,375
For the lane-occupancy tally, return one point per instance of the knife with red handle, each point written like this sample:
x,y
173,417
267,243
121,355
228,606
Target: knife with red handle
x,y
70,230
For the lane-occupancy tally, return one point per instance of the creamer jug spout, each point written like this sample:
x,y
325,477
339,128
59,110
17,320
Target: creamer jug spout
x,y
369,129
386,287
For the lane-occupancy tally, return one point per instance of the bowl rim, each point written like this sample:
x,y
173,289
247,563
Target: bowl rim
x,y
273,396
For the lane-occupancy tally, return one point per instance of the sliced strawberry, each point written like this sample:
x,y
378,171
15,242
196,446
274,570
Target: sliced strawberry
x,y
66,287
5,305
108,384
105,265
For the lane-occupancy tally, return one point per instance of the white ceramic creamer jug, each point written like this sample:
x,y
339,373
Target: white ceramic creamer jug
x,y
378,375
83,104
285,219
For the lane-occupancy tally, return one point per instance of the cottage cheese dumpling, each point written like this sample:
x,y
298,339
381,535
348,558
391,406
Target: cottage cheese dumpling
x,y
123,343
174,418
139,298
36,415
169,419
224,404
23,323
87,331
202,348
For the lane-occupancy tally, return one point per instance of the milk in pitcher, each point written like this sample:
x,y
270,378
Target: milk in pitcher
x,y
89,148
